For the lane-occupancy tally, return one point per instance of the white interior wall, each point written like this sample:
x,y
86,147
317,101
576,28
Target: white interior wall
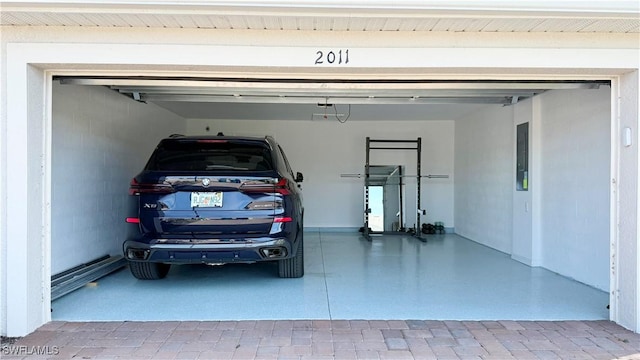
x,y
322,150
101,139
483,168
575,184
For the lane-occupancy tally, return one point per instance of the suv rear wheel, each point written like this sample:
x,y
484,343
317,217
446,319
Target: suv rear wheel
x,y
293,267
148,270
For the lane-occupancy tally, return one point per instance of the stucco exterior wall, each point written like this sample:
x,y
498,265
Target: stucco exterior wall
x,y
389,55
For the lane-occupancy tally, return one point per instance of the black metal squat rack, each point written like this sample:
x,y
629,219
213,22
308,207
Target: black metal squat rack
x,y
414,145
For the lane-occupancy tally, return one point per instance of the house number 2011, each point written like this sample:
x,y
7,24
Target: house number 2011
x,y
332,57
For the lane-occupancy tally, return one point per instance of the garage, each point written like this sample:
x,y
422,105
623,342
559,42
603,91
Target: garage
x,y
337,123
99,120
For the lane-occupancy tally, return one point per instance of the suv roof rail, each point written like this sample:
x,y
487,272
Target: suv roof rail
x,y
175,135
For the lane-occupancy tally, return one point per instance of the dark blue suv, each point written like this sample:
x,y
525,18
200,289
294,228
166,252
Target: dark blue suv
x,y
215,200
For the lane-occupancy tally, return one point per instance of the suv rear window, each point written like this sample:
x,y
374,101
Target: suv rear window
x,y
211,155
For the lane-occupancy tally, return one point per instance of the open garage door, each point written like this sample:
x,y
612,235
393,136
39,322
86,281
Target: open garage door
x,y
316,92
107,127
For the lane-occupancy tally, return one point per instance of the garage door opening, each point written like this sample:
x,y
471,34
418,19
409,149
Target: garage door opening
x,y
102,137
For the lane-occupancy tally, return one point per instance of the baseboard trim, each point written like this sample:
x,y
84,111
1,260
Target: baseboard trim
x,y
447,230
521,259
332,229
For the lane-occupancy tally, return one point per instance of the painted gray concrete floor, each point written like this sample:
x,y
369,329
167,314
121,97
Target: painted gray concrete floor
x,y
390,278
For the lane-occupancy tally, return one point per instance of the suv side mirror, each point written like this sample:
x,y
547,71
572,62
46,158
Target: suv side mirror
x,y
299,177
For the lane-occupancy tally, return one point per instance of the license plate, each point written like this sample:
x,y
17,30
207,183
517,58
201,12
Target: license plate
x,y
206,199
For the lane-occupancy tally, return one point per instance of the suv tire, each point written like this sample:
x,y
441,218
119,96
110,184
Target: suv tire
x,y
148,270
294,266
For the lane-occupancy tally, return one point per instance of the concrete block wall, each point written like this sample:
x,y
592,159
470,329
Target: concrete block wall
x,y
483,167
101,139
576,151
573,184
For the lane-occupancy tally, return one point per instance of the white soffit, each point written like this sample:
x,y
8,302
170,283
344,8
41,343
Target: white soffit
x,y
328,15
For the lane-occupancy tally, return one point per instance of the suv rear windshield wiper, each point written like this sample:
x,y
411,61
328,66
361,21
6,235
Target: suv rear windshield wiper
x,y
225,167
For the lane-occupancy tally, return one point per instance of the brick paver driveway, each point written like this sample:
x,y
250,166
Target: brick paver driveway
x,y
327,339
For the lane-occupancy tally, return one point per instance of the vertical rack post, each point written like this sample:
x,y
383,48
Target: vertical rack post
x,y
419,190
401,177
365,230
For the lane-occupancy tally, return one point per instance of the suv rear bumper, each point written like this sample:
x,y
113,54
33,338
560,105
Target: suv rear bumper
x,y
202,251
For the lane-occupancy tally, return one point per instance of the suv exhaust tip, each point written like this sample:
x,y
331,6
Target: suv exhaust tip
x,y
137,254
273,252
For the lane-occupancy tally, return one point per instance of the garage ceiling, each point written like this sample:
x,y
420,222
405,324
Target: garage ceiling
x,y
304,99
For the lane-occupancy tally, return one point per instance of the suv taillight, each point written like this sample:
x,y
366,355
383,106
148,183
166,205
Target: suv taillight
x,y
137,188
281,187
